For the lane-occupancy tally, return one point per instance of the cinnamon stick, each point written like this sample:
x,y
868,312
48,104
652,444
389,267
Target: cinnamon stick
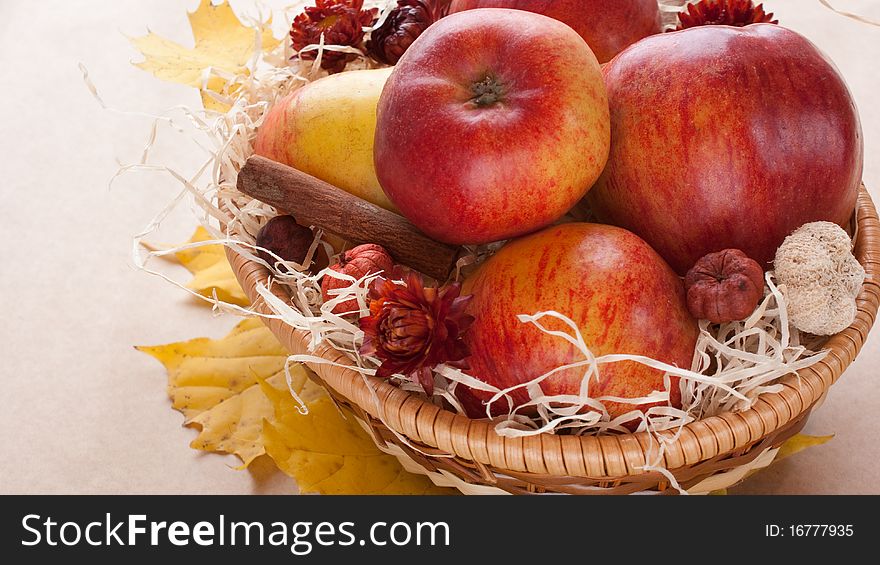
x,y
317,203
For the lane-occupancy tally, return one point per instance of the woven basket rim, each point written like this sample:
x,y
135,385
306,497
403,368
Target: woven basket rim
x,y
552,458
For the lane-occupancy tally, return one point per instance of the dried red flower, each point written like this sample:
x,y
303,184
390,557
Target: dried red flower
x,y
403,25
412,329
341,22
737,13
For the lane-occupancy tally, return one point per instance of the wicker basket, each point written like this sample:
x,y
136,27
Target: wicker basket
x,y
715,452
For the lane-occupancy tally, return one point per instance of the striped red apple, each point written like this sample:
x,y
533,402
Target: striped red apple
x,y
727,137
608,26
493,124
621,295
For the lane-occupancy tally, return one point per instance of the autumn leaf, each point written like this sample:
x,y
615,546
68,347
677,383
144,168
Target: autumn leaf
x,y
791,446
215,384
222,43
235,391
799,443
211,271
329,454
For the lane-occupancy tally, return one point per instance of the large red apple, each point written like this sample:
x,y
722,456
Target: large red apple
x,y
726,137
608,26
493,124
622,296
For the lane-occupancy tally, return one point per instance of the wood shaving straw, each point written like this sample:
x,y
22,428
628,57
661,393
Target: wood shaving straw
x,y
669,10
850,15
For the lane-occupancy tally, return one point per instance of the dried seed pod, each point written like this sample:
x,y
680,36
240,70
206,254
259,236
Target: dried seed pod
x,y
724,286
403,25
357,262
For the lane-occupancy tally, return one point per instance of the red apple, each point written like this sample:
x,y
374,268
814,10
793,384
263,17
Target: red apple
x,y
608,26
493,124
623,297
726,137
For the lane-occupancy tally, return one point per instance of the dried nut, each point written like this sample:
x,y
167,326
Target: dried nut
x,y
284,237
724,286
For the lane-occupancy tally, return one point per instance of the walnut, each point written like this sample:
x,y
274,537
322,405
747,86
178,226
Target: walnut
x,y
724,286
822,278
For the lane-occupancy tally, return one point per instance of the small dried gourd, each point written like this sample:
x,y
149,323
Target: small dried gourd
x,y
724,286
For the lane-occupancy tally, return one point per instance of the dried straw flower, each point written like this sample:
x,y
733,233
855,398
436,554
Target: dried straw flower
x,y
403,26
341,22
412,329
737,13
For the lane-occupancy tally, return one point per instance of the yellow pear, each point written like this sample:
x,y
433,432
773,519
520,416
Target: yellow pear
x,y
326,129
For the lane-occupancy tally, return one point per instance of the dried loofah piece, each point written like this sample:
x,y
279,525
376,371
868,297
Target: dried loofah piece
x,y
821,276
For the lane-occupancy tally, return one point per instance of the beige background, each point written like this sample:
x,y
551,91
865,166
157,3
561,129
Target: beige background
x,y
83,412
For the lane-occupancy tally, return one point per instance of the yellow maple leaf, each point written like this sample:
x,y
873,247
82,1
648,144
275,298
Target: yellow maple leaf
x,y
235,391
203,372
791,446
210,268
329,454
222,42
215,384
798,443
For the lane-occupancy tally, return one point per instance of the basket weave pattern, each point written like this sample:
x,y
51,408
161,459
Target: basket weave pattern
x,y
440,440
